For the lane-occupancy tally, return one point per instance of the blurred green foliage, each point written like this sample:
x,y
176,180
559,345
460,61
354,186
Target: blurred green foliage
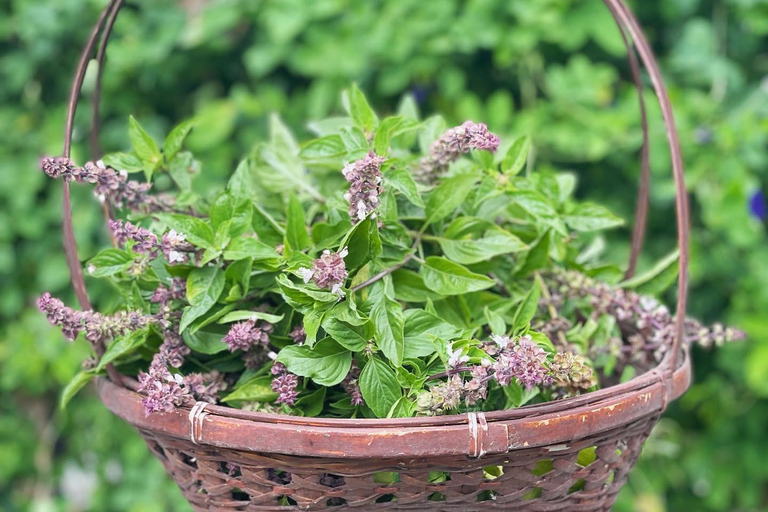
x,y
552,69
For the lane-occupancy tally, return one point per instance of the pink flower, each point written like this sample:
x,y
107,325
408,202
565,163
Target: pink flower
x,y
451,145
364,177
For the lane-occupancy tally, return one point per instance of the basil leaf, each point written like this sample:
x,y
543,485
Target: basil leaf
x,y
658,278
256,389
175,139
494,243
387,317
527,309
121,346
592,217
296,234
327,363
448,196
360,110
378,384
448,278
516,156
144,147
402,180
204,286
109,262
205,342
76,384
230,208
196,230
351,337
249,247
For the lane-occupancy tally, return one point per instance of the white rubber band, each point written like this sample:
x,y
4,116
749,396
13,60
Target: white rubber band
x,y
196,417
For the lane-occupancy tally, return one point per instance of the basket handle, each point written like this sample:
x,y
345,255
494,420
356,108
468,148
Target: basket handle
x,y
634,40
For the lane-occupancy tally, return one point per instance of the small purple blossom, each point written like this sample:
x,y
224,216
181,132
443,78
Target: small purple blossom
x,y
173,349
441,398
456,357
351,385
163,391
58,167
524,361
70,321
176,290
451,145
245,335
175,247
298,334
364,177
284,384
205,387
571,372
328,271
98,328
144,241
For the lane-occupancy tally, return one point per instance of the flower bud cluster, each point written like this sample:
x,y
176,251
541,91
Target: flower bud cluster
x,y
328,271
450,146
284,384
364,177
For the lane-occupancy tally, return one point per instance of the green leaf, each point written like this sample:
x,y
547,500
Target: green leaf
x,y
240,273
325,149
121,346
175,139
379,386
351,337
197,231
109,262
658,278
537,257
419,325
448,196
249,247
360,110
495,321
402,180
144,147
205,342
448,278
180,170
362,242
204,286
410,287
76,384
300,296
127,162
237,316
296,234
256,389
527,309
467,251
514,161
311,405
230,208
327,363
387,317
592,217
540,207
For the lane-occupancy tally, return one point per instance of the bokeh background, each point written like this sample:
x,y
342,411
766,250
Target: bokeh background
x,y
552,69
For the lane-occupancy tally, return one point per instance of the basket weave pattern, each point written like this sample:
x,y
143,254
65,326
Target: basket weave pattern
x,y
314,483
568,455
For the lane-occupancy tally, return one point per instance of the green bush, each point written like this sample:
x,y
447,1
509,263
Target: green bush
x,y
553,69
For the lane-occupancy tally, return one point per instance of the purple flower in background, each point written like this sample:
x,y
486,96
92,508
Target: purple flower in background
x,y
58,167
70,321
757,206
451,145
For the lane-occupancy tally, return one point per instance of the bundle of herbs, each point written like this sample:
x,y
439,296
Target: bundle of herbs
x,y
387,268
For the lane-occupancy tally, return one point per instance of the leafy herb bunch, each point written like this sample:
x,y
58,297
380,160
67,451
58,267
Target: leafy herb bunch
x,y
352,276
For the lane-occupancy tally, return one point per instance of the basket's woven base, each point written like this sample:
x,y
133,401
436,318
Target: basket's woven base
x,y
585,475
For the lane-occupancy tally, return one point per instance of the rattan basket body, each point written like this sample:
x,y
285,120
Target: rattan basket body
x,y
568,455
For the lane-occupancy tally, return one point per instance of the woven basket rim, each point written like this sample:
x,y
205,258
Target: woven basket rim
x,y
545,424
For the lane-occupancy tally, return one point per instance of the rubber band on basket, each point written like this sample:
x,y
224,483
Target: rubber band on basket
x,y
478,428
196,417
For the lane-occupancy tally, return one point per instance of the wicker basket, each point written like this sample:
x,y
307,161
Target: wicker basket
x,y
572,454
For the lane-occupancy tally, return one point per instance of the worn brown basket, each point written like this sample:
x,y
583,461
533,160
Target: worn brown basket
x,y
225,459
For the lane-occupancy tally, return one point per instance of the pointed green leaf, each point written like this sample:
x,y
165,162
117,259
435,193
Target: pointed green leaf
x,y
448,278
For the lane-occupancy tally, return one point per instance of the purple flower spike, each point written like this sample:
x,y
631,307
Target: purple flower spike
x,y
364,177
451,145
